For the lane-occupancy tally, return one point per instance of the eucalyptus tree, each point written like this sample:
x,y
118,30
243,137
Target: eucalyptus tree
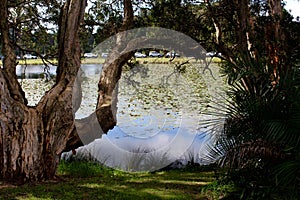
x,y
32,138
33,26
183,16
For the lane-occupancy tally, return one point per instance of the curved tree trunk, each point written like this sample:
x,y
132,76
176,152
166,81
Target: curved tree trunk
x,y
111,72
32,138
104,118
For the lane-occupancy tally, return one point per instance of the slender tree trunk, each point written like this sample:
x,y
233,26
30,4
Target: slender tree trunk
x,y
243,31
275,42
32,138
243,15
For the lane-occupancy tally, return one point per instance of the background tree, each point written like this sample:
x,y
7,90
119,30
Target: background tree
x,y
33,25
183,16
260,142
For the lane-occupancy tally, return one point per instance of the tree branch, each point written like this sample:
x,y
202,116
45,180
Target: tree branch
x,y
9,62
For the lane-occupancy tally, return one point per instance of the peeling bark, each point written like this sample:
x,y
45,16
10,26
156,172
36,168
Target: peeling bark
x,y
32,138
9,62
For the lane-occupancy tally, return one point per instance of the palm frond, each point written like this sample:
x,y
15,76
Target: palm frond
x,y
287,174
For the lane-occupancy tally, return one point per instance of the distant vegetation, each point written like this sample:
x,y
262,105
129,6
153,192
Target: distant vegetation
x,y
102,60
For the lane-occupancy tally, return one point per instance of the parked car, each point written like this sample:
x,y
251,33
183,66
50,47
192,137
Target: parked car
x,y
172,54
139,55
29,56
155,54
104,55
213,54
90,55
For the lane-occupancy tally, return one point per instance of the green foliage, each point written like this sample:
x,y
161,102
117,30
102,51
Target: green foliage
x,y
219,189
32,28
79,169
260,145
183,16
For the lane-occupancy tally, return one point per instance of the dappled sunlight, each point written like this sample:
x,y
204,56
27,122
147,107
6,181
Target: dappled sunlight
x,y
107,183
182,182
92,185
161,193
31,197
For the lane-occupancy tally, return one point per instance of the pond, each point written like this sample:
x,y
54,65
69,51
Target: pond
x,y
160,114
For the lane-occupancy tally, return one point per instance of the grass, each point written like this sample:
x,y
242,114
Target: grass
x,y
85,180
101,61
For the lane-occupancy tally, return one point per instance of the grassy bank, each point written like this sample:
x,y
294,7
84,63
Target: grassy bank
x,y
101,61
80,180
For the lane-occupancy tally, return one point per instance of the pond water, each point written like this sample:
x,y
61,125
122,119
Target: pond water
x,y
160,114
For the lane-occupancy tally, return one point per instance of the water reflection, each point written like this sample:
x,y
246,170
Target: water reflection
x,y
35,71
159,114
40,71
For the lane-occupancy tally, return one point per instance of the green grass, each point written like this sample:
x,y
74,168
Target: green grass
x,y
82,180
101,60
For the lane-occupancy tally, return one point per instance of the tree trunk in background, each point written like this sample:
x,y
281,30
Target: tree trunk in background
x,y
243,32
32,138
275,42
243,15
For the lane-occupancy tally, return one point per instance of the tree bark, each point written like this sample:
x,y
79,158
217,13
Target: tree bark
x,y
275,41
9,62
88,129
32,138
112,69
243,15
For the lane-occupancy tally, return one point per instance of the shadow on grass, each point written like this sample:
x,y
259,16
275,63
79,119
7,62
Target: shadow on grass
x,y
105,183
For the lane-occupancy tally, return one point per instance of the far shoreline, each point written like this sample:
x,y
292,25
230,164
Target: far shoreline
x,y
102,60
